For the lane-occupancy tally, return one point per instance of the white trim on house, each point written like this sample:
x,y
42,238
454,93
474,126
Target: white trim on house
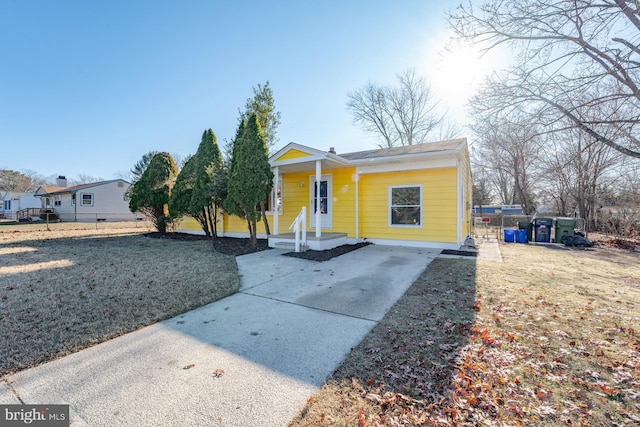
x,y
447,162
326,221
414,243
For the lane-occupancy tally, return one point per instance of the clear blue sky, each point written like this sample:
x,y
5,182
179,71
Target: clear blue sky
x,y
88,87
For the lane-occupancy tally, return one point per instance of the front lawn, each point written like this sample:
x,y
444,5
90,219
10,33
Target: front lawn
x,y
67,289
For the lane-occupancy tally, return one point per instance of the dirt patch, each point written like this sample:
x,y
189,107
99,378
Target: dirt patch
x,y
327,254
546,337
61,291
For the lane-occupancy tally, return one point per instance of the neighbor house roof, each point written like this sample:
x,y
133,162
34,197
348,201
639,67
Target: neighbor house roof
x,y
52,189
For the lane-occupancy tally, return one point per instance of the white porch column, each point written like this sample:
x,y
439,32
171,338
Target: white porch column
x,y
274,201
357,205
317,211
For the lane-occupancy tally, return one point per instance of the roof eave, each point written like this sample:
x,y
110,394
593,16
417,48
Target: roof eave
x,y
408,157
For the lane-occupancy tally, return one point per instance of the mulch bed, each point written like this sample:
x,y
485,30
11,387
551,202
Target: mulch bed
x,y
327,254
237,246
460,253
225,245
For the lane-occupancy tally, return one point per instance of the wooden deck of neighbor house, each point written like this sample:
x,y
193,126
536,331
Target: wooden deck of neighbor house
x,y
28,214
326,241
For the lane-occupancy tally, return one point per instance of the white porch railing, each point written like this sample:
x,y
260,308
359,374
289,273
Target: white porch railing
x,y
299,226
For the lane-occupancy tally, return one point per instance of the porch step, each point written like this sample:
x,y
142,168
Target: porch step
x,y
290,246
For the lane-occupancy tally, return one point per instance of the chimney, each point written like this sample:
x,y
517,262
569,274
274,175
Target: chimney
x,y
61,181
332,150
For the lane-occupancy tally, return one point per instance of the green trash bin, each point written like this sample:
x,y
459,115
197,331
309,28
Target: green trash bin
x,y
564,227
526,225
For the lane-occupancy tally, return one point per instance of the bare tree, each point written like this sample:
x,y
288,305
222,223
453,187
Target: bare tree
x,y
405,114
24,181
575,173
85,179
571,56
508,150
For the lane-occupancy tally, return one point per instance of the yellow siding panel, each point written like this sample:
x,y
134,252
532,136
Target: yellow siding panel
x,y
344,201
188,224
293,154
439,205
235,224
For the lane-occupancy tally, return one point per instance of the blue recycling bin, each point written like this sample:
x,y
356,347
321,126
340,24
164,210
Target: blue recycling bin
x,y
509,235
542,229
521,236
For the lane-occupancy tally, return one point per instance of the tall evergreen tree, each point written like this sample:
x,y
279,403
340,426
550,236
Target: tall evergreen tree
x,y
182,191
208,170
250,175
150,194
264,107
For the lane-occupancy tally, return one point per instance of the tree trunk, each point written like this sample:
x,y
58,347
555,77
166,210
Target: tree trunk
x,y
210,223
215,221
264,218
205,223
253,236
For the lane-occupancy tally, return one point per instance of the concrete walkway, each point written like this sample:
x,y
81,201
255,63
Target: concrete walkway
x,y
251,359
488,249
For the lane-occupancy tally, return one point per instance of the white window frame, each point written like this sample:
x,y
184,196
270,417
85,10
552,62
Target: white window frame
x,y
82,203
73,199
7,205
391,206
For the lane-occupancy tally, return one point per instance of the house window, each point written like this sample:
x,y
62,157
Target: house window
x,y
73,199
87,199
405,206
7,205
56,201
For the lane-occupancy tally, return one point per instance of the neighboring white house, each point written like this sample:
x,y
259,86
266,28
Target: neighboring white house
x,y
98,201
13,201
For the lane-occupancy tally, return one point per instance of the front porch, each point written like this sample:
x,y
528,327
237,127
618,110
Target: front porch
x,y
324,242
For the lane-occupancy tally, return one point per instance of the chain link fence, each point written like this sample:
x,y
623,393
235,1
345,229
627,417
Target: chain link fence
x,y
492,225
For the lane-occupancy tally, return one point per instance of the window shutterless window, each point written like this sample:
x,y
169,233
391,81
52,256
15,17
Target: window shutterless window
x,y
405,206
87,199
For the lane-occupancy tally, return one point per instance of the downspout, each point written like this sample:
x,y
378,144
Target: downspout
x,y
75,208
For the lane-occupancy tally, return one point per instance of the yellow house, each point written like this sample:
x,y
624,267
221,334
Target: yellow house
x,y
417,195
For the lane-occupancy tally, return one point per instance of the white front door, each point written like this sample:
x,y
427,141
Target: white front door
x,y
323,205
